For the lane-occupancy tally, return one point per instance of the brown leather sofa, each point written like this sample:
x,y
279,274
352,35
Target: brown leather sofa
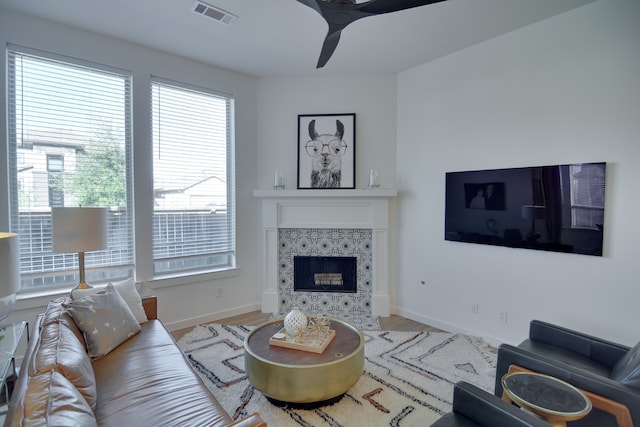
x,y
145,381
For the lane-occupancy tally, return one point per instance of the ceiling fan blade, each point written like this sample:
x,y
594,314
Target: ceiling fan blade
x,y
328,47
313,4
379,7
340,13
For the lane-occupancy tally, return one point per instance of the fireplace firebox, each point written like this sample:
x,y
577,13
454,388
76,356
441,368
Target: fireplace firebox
x,y
325,274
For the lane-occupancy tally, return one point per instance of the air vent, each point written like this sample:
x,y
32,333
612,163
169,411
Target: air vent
x,y
214,13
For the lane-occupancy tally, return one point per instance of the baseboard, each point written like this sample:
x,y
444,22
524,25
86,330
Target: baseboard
x,y
212,317
449,327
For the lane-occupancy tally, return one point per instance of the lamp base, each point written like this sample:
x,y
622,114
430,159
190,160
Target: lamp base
x,y
83,285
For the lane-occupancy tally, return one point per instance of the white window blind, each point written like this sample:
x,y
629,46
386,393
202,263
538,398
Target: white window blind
x,y
69,128
587,195
194,214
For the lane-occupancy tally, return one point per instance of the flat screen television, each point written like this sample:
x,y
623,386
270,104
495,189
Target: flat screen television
x,y
553,208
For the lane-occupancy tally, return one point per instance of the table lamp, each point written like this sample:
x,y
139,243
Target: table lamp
x,y
79,230
533,212
10,273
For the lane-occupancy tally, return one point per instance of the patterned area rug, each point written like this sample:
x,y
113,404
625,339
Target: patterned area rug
x,y
407,381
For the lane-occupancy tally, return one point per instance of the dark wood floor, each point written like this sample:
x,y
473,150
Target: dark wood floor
x,y
391,323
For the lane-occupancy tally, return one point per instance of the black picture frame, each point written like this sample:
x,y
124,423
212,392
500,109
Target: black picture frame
x,y
485,196
326,151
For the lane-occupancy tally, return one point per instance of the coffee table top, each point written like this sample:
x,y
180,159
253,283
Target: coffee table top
x,y
347,340
546,395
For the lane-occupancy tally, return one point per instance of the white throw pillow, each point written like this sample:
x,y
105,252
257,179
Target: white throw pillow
x,y
104,319
128,292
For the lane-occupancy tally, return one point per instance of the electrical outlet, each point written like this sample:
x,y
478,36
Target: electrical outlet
x,y
502,316
219,292
474,308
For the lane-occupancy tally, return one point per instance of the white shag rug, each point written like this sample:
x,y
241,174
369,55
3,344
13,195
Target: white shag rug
x,y
407,381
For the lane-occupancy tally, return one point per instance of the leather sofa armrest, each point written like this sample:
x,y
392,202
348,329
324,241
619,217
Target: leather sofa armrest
x,y
602,351
509,355
150,305
253,420
486,409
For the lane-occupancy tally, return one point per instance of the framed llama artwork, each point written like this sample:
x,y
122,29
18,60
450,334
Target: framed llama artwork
x,y
326,151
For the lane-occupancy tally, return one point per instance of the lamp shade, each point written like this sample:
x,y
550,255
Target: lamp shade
x,y
533,212
9,264
79,229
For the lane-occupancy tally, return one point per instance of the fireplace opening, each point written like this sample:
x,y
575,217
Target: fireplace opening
x,y
324,274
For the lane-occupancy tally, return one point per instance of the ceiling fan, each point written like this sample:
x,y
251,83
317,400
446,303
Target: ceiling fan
x,y
340,13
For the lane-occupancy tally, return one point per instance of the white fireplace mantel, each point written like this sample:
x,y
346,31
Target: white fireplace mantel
x,y
366,209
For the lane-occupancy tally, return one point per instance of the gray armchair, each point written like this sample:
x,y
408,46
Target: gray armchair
x,y
475,407
607,372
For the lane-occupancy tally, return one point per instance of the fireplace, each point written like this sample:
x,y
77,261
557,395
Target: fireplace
x,y
324,274
345,222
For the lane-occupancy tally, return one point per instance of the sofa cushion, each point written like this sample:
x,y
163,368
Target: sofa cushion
x,y
104,319
127,290
51,400
56,313
147,380
60,350
627,370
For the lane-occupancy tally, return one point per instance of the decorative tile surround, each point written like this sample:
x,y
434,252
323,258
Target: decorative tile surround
x,y
325,242
333,222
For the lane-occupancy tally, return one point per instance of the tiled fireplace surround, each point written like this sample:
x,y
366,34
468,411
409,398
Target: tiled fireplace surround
x,y
326,223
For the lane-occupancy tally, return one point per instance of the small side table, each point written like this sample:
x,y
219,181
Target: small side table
x,y
554,400
11,335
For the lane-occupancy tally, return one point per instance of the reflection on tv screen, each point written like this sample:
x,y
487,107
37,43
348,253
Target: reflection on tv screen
x,y
553,208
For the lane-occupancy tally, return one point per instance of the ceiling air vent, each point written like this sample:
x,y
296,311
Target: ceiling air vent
x,y
214,13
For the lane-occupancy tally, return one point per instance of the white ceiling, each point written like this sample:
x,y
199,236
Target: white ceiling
x,y
284,37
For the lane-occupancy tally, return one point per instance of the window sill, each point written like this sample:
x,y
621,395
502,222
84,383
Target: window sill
x,y
187,279
39,299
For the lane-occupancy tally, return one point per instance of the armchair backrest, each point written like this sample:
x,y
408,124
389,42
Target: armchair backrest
x,y
627,370
597,349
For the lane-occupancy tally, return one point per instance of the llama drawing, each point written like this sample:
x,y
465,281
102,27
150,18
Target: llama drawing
x,y
326,151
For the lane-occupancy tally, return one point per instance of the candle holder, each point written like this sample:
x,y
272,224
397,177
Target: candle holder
x,y
373,179
278,181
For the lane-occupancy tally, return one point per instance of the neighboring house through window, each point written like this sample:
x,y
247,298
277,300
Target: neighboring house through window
x,y
69,145
193,221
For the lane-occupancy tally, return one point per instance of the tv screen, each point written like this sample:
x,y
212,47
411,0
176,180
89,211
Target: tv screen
x,y
552,208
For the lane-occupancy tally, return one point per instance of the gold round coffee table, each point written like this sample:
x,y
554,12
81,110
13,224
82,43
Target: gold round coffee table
x,y
301,378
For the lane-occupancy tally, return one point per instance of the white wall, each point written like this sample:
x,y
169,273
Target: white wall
x,y
188,300
371,97
561,91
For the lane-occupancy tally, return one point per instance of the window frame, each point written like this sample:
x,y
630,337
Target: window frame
x,y
229,99
138,171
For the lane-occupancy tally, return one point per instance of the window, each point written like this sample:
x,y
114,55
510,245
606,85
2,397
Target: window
x,y
587,182
194,219
55,167
69,129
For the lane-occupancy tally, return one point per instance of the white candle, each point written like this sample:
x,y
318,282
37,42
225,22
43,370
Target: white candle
x,y
373,178
278,181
